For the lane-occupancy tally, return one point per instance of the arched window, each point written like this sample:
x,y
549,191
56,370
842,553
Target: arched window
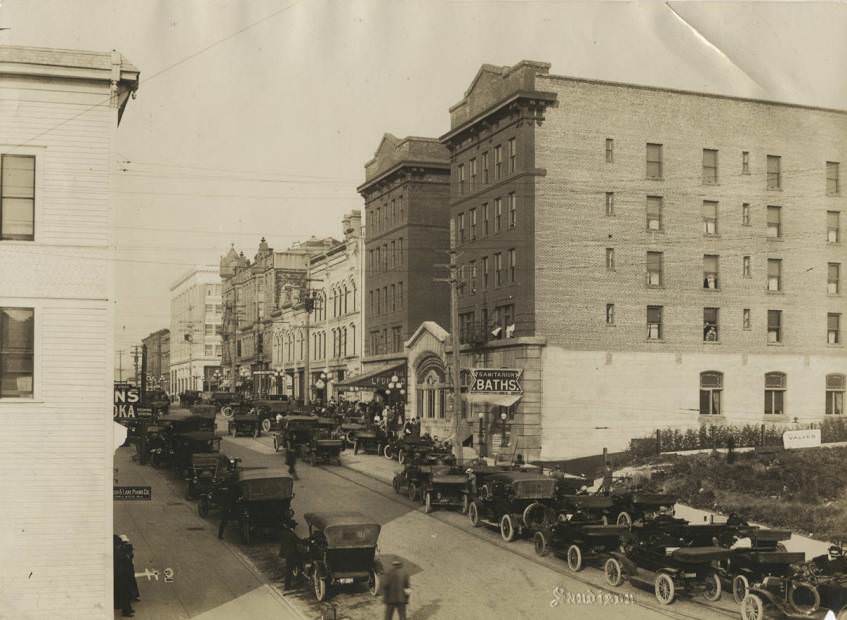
x,y
346,294
711,386
775,393
353,338
355,298
835,385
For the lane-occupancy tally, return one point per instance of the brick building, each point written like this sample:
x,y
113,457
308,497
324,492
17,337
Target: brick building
x,y
59,117
406,190
158,357
648,257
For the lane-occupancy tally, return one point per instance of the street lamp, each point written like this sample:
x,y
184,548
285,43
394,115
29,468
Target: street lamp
x,y
482,445
503,417
395,388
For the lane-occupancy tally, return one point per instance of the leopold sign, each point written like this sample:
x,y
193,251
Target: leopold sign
x,y
496,381
126,401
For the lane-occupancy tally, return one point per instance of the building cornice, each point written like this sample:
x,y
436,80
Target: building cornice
x,y
419,166
534,99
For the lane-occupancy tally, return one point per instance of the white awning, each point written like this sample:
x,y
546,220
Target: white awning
x,y
501,400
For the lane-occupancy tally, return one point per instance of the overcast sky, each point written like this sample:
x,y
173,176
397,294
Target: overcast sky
x,y
256,117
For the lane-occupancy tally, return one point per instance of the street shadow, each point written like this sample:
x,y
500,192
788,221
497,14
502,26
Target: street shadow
x,y
430,610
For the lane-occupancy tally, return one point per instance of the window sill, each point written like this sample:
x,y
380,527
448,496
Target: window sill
x,y
770,292
836,295
710,184
654,178
656,340
711,342
711,290
776,344
711,236
610,325
837,345
833,243
774,189
659,287
711,418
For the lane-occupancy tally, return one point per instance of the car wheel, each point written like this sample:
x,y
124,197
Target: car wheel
x,y
712,587
189,491
356,448
575,561
374,582
804,597
227,411
752,607
319,586
473,514
388,453
266,425
613,571
624,520
413,492
276,443
203,507
539,543
428,502
401,457
244,531
351,439
740,588
664,589
507,528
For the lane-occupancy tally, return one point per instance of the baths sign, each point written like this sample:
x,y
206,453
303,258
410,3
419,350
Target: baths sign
x,y
496,381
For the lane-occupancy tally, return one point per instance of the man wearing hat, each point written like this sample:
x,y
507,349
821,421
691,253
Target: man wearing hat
x,y
395,591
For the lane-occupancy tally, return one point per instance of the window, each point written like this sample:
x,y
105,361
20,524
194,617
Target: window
x,y
654,269
774,274
460,225
745,162
485,167
710,324
710,167
745,266
371,302
17,352
774,326
832,278
774,172
498,215
610,314
466,325
209,350
833,328
385,256
498,269
396,339
775,393
654,213
745,214
473,173
654,322
610,150
610,259
774,222
513,155
400,208
17,198
513,212
833,227
400,251
513,266
835,394
498,162
710,271
832,182
484,272
378,300
393,253
209,330
378,220
745,318
461,175
711,386
610,204
210,308
654,161
710,217
393,297
400,295
485,230
218,308
473,277
472,216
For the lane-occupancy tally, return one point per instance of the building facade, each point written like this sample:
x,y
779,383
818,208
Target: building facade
x,y
159,358
332,337
673,258
56,326
195,341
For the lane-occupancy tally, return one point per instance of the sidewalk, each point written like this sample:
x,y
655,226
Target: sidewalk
x,y
198,576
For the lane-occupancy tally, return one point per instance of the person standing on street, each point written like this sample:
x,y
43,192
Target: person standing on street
x,y
396,591
230,509
290,552
124,576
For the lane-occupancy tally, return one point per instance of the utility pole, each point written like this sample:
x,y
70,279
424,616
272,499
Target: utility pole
x,y
120,365
308,304
135,351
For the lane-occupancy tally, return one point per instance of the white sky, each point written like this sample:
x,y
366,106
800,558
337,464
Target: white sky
x,y
243,129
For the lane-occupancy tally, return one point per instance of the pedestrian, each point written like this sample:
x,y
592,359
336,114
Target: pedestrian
x,y
291,460
289,551
134,594
230,507
396,591
122,570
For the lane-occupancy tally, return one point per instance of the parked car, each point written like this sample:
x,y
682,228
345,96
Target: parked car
x,y
369,441
578,542
157,401
264,502
244,424
444,486
402,447
205,467
323,447
297,431
267,409
226,474
341,550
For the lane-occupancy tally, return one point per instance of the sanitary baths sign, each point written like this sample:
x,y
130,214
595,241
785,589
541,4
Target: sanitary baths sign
x,y
496,381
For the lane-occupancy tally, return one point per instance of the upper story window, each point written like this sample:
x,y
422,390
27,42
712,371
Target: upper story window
x,y
610,150
498,269
610,314
833,227
513,211
775,393
774,274
498,215
460,226
17,352
654,269
745,162
654,161
485,168
472,215
833,328
610,204
17,197
710,271
833,187
461,175
775,222
835,385
832,278
513,155
485,229
498,162
711,387
745,214
654,323
774,172
610,259
654,213
774,326
473,172
710,217
710,166
513,266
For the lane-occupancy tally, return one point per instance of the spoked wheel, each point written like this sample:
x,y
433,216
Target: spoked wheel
x,y
319,586
413,492
350,437
740,588
189,491
355,448
507,528
539,542
266,425
228,412
664,589
401,457
752,607
624,519
244,531
804,597
780,547
388,453
428,502
575,561
613,572
374,582
712,588
473,514
276,443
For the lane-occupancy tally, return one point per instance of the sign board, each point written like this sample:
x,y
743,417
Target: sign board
x,y
132,494
808,438
126,401
496,381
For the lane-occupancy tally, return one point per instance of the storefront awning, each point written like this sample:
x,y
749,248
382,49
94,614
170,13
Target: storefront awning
x,y
500,400
375,379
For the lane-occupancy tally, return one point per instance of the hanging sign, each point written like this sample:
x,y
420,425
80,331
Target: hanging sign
x,y
496,381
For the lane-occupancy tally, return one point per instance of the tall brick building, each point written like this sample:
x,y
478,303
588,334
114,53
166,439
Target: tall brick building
x,y
159,357
648,257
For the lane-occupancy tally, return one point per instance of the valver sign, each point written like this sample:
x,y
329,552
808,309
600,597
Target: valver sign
x,y
808,438
496,381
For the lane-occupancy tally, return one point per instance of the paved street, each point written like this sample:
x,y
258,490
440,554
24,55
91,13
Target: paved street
x,y
457,571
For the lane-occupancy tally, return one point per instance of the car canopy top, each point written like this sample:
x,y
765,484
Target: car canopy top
x,y
199,436
301,420
266,484
526,485
344,529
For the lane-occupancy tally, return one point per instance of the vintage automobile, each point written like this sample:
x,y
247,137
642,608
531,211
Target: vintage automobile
x,y
403,446
444,486
412,478
203,472
297,431
157,401
325,446
341,550
244,424
577,541
349,429
268,409
149,438
632,504
264,502
586,507
180,423
369,441
226,474
516,502
185,445
656,560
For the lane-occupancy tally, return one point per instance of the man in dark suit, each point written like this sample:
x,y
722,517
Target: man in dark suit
x,y
395,591
289,550
230,508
